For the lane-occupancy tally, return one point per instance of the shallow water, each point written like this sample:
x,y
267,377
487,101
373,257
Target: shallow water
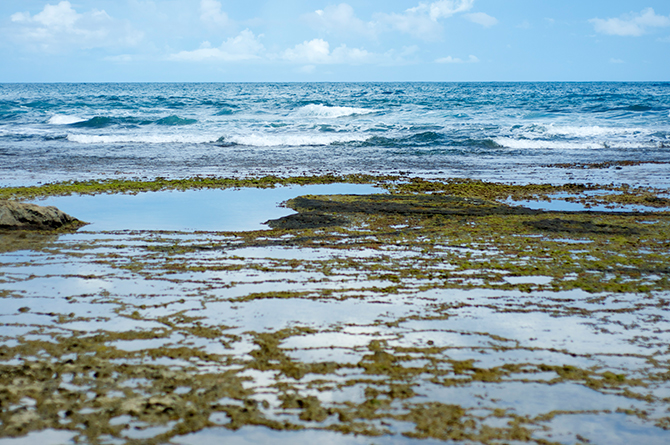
x,y
190,210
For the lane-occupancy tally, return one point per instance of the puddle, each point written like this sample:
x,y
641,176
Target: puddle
x,y
191,210
560,205
608,429
254,436
46,437
529,280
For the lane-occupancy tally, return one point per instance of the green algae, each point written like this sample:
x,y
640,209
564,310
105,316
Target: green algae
x,y
133,186
465,188
425,236
604,165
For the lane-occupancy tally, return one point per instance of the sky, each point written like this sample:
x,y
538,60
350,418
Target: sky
x,y
356,40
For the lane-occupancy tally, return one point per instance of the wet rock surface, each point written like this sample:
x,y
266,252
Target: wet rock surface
x,y
419,317
406,205
310,220
22,216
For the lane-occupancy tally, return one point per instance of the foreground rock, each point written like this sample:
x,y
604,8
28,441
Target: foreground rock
x,y
21,216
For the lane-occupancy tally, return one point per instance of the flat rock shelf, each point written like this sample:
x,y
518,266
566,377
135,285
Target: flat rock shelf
x,y
422,311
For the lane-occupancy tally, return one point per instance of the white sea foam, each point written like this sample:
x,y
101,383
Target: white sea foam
x,y
565,145
64,119
577,137
323,111
591,131
258,140
141,138
294,139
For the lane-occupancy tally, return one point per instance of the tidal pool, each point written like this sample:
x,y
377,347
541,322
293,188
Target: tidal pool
x,y
207,210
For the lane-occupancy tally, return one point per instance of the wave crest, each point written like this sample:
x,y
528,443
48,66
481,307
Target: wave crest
x,y
64,119
539,144
328,112
139,138
291,140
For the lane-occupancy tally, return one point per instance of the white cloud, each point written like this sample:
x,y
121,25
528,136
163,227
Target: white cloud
x,y
317,52
616,61
59,28
420,26
631,24
314,51
339,19
246,46
449,59
482,18
58,16
211,13
443,8
422,21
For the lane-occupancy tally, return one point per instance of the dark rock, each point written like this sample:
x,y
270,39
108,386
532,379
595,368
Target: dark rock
x,y
405,205
21,216
306,221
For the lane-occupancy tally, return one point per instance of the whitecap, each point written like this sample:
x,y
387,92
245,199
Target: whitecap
x,y
531,144
324,111
64,119
591,131
293,139
143,138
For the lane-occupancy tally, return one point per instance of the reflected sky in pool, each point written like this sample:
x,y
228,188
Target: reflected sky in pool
x,y
207,210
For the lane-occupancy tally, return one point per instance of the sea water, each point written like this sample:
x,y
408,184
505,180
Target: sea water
x,y
499,131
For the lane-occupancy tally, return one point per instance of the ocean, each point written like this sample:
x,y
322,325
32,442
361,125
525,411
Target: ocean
x,y
515,132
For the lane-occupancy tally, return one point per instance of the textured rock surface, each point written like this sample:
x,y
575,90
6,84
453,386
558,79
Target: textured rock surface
x,y
21,216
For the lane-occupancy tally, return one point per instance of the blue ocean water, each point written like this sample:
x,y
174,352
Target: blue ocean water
x,y
502,131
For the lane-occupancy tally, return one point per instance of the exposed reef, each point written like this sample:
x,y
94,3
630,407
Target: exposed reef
x,y
438,310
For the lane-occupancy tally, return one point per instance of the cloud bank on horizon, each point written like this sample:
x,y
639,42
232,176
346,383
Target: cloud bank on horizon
x,y
91,40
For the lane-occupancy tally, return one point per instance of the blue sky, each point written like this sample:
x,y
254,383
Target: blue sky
x,y
366,40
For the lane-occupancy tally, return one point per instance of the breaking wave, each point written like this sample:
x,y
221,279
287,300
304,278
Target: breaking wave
x,y
64,119
559,144
290,140
140,138
328,112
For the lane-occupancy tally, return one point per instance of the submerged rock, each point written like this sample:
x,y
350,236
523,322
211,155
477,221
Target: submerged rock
x,y
21,216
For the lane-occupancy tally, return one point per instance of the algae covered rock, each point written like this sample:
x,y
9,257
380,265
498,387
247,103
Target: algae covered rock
x,y
310,220
22,216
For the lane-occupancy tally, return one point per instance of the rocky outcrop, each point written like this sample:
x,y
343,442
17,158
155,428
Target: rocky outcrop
x,y
20,216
